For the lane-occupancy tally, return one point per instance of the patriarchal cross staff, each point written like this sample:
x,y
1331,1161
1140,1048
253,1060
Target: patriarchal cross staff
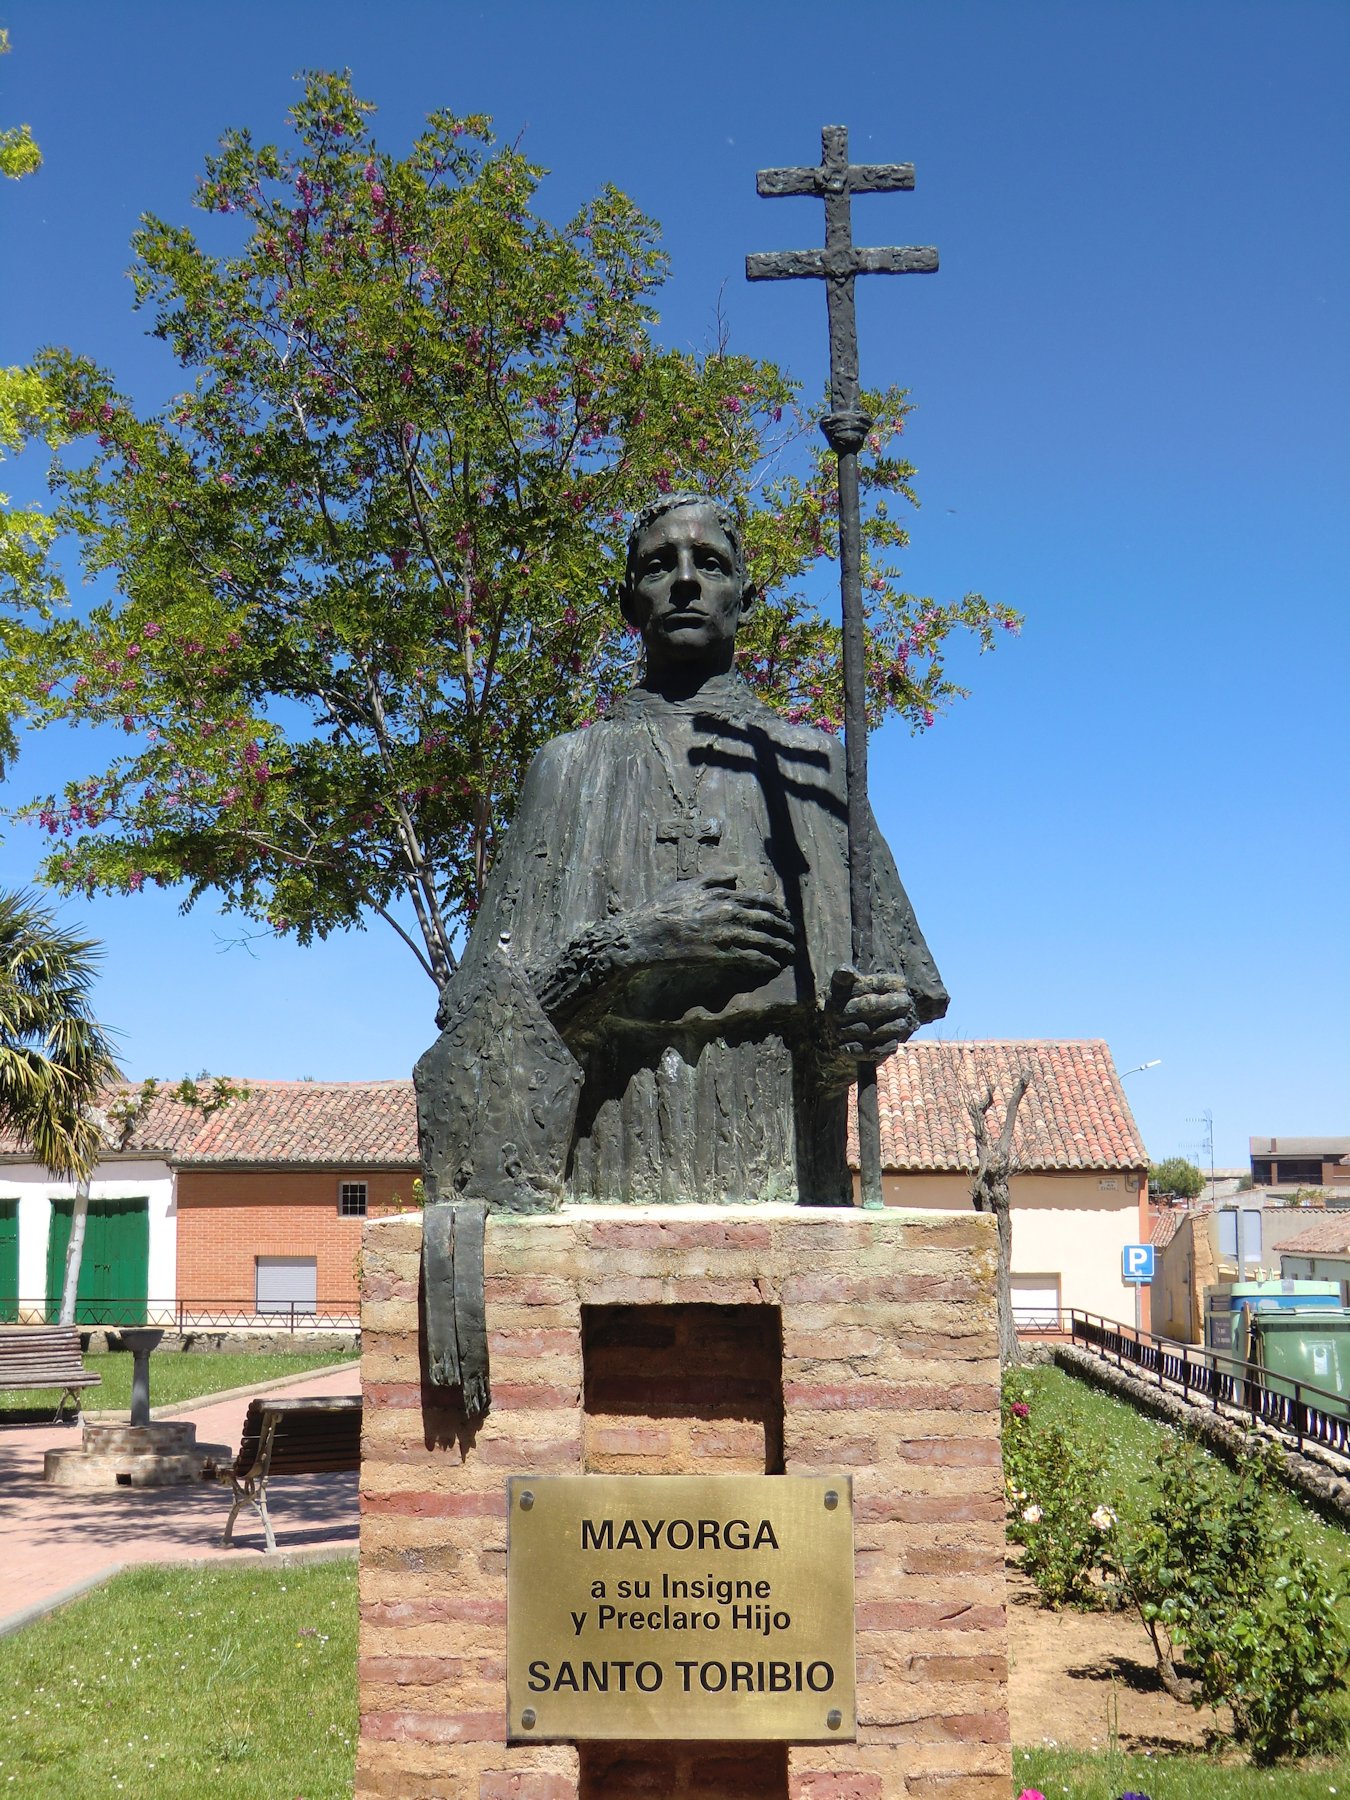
x,y
846,425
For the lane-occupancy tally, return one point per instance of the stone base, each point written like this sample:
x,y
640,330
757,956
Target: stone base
x,y
115,1455
693,1340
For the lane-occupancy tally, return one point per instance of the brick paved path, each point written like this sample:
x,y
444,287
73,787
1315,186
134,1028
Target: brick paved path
x,y
56,1541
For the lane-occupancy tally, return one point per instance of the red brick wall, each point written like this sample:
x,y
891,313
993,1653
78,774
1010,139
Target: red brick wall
x,y
228,1217
880,1340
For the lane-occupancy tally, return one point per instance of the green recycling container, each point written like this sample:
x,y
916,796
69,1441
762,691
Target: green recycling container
x,y
1309,1346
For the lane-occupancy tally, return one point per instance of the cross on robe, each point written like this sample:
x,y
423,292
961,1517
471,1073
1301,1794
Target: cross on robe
x,y
688,832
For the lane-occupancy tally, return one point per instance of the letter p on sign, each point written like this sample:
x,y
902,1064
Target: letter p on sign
x,y
1137,1263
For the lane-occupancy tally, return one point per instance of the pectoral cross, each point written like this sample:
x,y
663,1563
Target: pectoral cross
x,y
688,833
846,425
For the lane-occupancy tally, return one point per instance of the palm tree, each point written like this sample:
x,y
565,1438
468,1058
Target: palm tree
x,y
55,1058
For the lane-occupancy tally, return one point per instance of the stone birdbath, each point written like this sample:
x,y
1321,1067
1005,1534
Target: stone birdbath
x,y
140,1453
141,1341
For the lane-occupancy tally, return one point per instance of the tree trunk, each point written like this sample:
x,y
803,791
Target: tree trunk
x,y
994,1164
75,1251
1009,1353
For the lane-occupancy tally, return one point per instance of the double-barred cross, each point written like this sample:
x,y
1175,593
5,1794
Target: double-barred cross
x,y
835,180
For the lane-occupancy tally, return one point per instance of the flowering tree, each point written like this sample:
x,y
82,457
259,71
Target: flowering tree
x,y
361,565
19,154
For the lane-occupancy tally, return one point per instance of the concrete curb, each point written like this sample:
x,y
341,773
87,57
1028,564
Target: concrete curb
x,y
279,1559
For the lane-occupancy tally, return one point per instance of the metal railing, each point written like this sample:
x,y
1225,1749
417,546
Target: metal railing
x,y
1295,1409
192,1315
1042,1321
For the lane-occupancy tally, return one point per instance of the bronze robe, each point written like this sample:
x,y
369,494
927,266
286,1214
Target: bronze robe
x,y
685,1086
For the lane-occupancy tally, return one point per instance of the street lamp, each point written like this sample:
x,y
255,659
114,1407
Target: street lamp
x,y
1138,1066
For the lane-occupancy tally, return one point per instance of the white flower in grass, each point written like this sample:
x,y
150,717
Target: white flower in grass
x,y
1031,1515
1103,1518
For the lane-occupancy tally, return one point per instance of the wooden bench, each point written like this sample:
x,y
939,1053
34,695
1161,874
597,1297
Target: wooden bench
x,y
314,1436
45,1356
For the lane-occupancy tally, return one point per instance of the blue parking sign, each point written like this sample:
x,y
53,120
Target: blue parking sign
x,y
1137,1263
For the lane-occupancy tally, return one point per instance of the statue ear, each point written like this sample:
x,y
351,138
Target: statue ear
x,y
628,606
749,595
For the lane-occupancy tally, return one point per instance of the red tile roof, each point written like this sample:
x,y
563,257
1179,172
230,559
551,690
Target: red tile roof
x,y
367,1124
1166,1226
1074,1115
1330,1237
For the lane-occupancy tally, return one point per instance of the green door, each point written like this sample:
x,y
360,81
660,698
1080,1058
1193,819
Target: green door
x,y
115,1267
9,1261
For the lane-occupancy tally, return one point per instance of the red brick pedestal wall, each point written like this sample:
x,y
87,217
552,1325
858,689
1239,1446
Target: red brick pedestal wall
x,y
688,1340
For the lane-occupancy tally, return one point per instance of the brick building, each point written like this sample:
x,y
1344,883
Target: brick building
x,y
272,1189
254,1204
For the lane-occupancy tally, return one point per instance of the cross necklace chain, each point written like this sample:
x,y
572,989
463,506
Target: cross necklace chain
x,y
686,828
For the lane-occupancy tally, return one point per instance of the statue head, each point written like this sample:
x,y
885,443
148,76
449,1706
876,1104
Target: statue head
x,y
685,588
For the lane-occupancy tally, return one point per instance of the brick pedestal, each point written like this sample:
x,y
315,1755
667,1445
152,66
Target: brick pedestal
x,y
693,1340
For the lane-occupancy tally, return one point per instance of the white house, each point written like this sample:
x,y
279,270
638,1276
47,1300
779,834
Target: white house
x,y
1080,1191
131,1238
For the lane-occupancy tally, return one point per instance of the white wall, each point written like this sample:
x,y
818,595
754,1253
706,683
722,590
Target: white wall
x,y
35,1189
1073,1225
1323,1267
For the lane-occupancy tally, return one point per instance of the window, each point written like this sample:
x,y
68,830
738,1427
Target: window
x,y
352,1199
1036,1301
287,1283
1305,1169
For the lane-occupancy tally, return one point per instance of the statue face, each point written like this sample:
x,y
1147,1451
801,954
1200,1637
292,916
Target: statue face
x,y
688,591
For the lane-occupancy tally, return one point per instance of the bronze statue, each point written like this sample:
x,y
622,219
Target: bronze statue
x,y
656,1002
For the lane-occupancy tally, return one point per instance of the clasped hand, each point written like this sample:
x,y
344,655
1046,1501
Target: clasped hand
x,y
868,1015
709,922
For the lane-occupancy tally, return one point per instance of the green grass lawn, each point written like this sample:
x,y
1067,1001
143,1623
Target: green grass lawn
x,y
1128,1440
187,1684
1080,1775
173,1377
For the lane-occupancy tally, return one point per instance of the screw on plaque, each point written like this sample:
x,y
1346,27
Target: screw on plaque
x,y
527,1500
527,1718
834,1718
831,1499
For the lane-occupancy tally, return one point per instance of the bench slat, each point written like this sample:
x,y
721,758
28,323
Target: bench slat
x,y
35,1356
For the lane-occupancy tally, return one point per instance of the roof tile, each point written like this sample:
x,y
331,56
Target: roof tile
x,y
1074,1116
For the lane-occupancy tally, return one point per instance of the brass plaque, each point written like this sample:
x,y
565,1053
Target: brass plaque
x,y
680,1606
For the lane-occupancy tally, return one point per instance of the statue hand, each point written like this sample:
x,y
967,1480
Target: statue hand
x,y
708,923
868,1015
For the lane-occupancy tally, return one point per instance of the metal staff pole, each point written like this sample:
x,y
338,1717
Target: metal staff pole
x,y
846,426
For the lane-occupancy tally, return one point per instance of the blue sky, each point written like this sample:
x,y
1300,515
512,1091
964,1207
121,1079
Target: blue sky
x,y
1132,383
